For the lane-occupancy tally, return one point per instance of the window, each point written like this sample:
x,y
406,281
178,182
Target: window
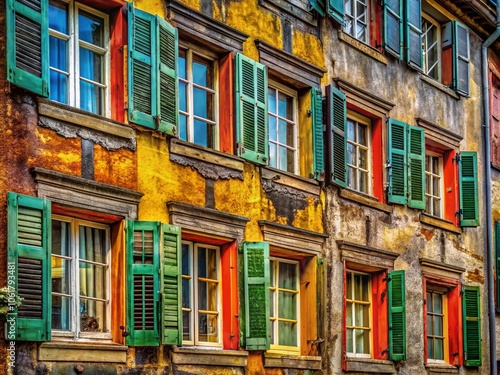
x,y
358,314
358,153
197,98
201,294
434,185
81,260
356,19
79,58
284,304
431,47
436,325
282,103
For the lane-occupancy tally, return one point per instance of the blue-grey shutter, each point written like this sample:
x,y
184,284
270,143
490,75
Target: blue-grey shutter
x,y
461,58
336,122
336,10
413,37
393,27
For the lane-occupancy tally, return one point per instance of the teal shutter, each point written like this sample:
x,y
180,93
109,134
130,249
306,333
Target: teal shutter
x,y
461,58
28,267
397,162
143,253
142,78
393,27
397,315
413,35
497,258
416,167
168,50
336,10
318,142
472,325
256,281
318,6
171,283
336,129
251,110
27,49
469,201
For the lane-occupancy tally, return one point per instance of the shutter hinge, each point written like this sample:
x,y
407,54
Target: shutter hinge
x,y
125,333
457,158
388,165
459,212
309,113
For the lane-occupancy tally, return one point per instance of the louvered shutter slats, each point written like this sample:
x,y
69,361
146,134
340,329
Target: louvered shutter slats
x,y
336,10
461,52
397,161
472,326
416,170
318,143
469,202
336,122
397,316
414,33
497,259
393,30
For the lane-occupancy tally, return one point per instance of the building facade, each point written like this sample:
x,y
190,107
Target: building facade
x,y
243,187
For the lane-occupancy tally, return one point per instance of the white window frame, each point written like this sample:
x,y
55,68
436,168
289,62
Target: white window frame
x,y
189,113
75,281
431,175
354,19
193,289
359,119
425,47
370,313
436,290
277,87
276,348
73,86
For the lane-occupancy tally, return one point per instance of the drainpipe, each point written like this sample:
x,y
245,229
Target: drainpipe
x,y
489,212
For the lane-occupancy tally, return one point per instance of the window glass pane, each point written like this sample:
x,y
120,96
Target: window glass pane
x,y
287,303
61,236
348,314
186,325
362,341
287,333
351,154
207,328
287,276
273,130
61,313
183,127
93,316
363,182
282,128
200,102
362,138
202,72
271,105
202,133
363,159
283,159
349,344
349,285
91,65
181,63
91,97
92,244
273,157
351,130
438,349
430,348
91,28
437,303
58,19
182,96
58,54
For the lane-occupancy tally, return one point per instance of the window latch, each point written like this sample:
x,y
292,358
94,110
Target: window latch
x,y
125,333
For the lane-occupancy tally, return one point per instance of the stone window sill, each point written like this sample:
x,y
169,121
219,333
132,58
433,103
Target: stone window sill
x,y
82,352
365,200
365,48
291,180
368,365
441,368
439,223
182,148
300,362
209,357
439,86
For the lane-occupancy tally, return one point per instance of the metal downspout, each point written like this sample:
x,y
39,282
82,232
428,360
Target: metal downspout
x,y
489,212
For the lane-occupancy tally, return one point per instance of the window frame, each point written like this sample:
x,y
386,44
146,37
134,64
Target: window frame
x,y
433,290
73,88
357,118
194,328
276,348
354,19
440,175
75,332
429,19
191,49
278,87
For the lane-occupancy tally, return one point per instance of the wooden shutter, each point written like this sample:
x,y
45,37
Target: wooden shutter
x,y
28,267
336,10
318,6
168,50
251,109
393,27
256,282
397,162
472,325
142,76
28,45
497,263
461,58
397,315
469,201
318,142
413,35
143,253
171,283
416,167
336,121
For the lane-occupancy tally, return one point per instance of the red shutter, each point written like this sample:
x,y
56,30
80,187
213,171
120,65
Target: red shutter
x,y
118,23
226,104
450,179
495,120
454,327
424,304
230,311
380,316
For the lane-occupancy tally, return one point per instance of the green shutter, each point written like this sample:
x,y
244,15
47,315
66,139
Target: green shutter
x,y
318,6
27,49
413,34
171,282
336,10
168,50
397,162
393,27
256,281
469,202
336,129
461,58
317,124
28,267
497,263
143,271
472,325
416,167
397,315
251,110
